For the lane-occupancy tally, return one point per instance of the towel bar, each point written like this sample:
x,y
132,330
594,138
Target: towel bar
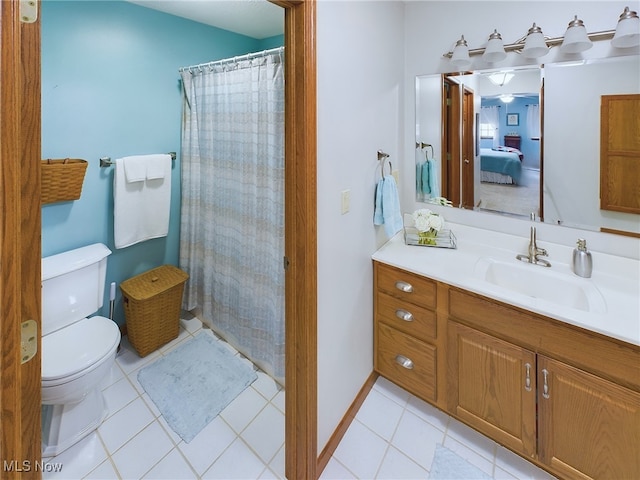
x,y
107,162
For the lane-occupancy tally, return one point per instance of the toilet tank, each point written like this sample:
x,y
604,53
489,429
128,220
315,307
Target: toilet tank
x,y
72,285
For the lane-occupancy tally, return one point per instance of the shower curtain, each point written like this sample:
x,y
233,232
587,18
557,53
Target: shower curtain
x,y
232,214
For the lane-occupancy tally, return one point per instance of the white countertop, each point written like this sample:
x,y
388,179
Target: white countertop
x,y
617,279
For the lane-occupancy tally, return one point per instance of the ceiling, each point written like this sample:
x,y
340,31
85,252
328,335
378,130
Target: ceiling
x,y
253,18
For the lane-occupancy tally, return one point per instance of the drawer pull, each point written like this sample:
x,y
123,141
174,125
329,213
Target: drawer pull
x,y
404,362
527,379
404,287
404,315
545,385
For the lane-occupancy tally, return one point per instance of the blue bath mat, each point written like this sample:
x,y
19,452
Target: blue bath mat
x,y
192,384
448,465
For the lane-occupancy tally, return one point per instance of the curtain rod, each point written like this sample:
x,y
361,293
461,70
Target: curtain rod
x,y
248,56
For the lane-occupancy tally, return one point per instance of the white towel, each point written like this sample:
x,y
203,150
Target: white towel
x,y
141,209
135,168
156,166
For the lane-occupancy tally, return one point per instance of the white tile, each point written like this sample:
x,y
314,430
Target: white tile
x,y
105,471
78,460
118,395
243,409
265,385
277,464
361,450
183,336
336,471
208,445
470,455
125,424
428,413
130,361
473,439
518,467
172,467
278,400
237,462
191,325
380,414
142,452
391,390
115,374
268,475
265,434
397,466
417,439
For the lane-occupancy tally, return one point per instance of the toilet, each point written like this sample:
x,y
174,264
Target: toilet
x,y
78,351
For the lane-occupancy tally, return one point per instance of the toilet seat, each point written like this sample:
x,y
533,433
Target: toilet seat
x,y
77,349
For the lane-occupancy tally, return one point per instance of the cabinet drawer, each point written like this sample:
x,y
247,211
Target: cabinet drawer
x,y
407,286
407,317
418,375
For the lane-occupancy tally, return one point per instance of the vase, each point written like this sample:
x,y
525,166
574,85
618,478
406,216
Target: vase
x,y
428,237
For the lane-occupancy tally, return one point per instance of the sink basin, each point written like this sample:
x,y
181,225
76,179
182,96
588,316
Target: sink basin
x,y
541,283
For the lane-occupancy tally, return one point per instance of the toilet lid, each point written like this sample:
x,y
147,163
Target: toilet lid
x,y
78,346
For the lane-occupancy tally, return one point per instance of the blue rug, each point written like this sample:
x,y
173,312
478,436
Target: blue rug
x,y
192,384
448,465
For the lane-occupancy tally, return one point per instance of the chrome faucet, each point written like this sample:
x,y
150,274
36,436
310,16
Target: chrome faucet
x,y
534,252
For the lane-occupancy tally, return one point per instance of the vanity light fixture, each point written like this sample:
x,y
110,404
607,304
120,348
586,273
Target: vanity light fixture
x,y
535,45
494,52
576,39
628,30
460,57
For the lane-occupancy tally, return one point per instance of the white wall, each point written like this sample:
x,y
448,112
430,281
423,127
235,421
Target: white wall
x,y
360,75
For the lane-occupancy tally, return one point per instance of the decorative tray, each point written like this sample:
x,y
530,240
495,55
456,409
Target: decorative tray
x,y
444,239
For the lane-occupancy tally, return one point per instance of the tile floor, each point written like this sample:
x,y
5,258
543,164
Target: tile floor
x,y
392,437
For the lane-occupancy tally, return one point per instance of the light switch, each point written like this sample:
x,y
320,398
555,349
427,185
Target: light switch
x,y
346,200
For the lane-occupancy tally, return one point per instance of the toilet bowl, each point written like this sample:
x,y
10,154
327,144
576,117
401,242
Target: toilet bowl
x,y
78,352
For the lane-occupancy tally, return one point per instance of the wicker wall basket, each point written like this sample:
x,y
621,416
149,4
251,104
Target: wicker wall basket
x,y
62,179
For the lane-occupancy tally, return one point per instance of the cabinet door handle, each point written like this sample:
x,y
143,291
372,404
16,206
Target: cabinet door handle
x,y
527,378
404,315
404,287
404,362
545,386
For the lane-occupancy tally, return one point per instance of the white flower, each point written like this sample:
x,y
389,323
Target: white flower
x,y
425,220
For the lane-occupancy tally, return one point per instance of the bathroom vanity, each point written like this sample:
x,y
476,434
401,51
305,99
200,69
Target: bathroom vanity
x,y
553,375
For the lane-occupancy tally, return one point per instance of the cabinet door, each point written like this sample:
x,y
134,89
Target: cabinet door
x,y
492,387
589,427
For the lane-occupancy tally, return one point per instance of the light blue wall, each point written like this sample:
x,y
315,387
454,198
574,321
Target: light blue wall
x,y
529,148
110,87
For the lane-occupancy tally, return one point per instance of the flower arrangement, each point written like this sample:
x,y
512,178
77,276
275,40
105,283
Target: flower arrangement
x,y
428,224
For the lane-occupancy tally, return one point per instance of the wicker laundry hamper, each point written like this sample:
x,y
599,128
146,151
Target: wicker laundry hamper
x,y
152,302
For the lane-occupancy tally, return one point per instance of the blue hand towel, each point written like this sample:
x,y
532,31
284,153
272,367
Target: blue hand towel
x,y
426,178
434,187
419,167
387,207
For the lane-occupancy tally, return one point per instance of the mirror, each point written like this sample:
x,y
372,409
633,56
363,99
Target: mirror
x,y
558,173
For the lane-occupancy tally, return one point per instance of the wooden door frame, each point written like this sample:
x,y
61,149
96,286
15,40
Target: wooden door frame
x,y
301,449
20,241
468,149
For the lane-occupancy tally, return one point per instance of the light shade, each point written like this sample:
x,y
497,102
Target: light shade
x,y
460,57
494,52
628,30
500,78
576,39
506,98
534,45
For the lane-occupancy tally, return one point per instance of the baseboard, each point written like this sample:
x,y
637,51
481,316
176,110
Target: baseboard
x,y
341,429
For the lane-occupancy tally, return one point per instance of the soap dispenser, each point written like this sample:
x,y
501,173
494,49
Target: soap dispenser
x,y
582,261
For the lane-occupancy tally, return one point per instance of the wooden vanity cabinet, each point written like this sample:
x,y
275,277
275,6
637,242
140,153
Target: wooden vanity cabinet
x,y
493,387
406,339
565,398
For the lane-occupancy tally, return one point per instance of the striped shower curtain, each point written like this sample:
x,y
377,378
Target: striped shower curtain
x,y
232,214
